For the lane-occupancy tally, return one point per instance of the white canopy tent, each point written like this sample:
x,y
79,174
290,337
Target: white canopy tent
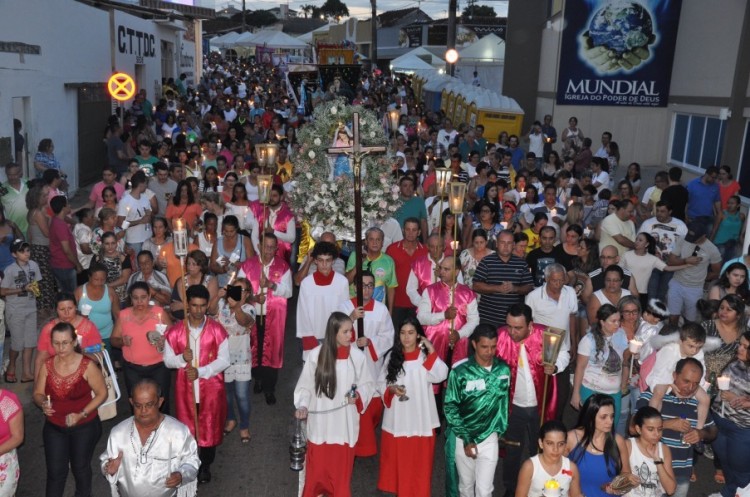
x,y
224,41
486,56
409,63
271,39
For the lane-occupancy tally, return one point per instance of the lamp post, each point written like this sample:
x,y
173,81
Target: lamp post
x,y
552,341
265,181
456,194
451,57
442,178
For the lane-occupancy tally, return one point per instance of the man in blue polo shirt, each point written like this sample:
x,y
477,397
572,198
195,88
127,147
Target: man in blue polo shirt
x,y
704,202
679,410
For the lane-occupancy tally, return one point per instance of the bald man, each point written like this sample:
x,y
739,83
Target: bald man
x,y
609,256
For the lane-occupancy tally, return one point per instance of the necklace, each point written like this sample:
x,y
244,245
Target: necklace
x,y
142,455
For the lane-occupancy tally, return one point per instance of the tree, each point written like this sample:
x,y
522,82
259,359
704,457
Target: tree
x,y
308,10
333,9
260,18
473,10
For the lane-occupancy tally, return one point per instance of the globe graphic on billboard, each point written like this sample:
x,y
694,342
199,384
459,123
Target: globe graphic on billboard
x,y
621,26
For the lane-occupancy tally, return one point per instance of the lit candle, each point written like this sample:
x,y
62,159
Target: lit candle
x,y
553,212
49,401
723,382
169,459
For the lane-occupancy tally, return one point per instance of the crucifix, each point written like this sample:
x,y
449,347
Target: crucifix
x,y
357,152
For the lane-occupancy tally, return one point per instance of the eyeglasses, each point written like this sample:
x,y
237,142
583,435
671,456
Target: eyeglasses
x,y
634,311
369,286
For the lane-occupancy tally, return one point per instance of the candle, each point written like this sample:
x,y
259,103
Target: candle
x,y
169,459
49,401
635,346
553,213
723,383
158,317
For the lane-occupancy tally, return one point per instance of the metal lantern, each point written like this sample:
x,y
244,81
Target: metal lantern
x,y
260,154
180,237
456,194
272,153
442,178
553,338
265,181
393,118
297,446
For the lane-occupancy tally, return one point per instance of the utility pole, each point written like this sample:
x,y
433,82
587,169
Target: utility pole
x,y
452,7
244,20
374,34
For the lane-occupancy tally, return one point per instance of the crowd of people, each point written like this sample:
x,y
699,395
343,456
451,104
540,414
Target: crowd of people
x,y
644,285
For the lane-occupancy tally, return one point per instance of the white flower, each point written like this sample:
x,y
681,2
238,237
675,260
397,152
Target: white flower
x,y
311,154
332,204
372,134
334,110
316,141
383,204
308,175
323,187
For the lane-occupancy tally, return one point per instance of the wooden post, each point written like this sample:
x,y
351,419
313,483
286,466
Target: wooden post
x,y
357,153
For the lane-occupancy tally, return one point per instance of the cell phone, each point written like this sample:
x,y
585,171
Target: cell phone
x,y
234,292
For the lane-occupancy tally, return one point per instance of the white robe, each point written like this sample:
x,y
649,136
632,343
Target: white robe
x,y
379,329
316,303
144,473
340,423
417,416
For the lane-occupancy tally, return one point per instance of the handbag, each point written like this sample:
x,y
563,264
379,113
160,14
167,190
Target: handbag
x,y
108,409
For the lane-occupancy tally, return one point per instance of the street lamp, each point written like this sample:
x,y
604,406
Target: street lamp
x,y
451,57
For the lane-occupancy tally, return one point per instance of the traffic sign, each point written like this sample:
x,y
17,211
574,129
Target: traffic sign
x,y
121,86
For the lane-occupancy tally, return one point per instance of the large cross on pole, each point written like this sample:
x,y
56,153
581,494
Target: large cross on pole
x,y
357,152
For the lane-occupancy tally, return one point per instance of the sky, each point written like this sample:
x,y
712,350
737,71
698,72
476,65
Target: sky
x,y
436,9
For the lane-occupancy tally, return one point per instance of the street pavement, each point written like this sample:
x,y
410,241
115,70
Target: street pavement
x,y
260,468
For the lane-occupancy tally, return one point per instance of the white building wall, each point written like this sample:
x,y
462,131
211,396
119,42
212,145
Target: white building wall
x,y
75,48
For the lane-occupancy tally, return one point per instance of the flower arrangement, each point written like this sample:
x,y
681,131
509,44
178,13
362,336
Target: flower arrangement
x,y
327,202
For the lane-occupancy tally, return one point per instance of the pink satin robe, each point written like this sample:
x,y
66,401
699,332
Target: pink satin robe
x,y
213,399
284,249
438,334
275,313
508,351
423,270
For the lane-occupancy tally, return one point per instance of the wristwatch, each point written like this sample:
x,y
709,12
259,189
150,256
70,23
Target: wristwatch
x,y
660,461
84,414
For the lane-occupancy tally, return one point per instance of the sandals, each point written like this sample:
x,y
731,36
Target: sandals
x,y
233,423
719,477
10,377
245,439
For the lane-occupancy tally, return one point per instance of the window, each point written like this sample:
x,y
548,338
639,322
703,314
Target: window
x,y
743,173
697,141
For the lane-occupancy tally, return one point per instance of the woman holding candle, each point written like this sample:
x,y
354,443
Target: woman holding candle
x,y
184,206
239,205
206,238
210,181
11,437
410,416
117,264
99,302
238,318
157,243
86,331
68,389
629,308
138,334
550,465
731,413
196,273
107,224
229,182
230,250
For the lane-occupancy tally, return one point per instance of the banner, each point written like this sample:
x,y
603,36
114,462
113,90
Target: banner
x,y
617,52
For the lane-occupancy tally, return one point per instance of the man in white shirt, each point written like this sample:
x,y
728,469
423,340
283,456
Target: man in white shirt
x,y
668,232
163,187
555,304
603,152
447,135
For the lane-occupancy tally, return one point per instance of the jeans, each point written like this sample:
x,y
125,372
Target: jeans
x,y
658,284
66,279
240,391
732,446
72,446
683,485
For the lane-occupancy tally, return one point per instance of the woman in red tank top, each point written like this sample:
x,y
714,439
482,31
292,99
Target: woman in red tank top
x,y
63,390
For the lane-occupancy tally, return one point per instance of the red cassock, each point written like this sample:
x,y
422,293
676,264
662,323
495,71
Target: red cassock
x,y
283,217
508,351
213,399
275,312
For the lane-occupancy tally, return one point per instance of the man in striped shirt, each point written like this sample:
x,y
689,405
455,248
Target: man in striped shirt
x,y
502,280
679,410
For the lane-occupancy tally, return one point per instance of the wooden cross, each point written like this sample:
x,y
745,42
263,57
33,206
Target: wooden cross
x,y
357,152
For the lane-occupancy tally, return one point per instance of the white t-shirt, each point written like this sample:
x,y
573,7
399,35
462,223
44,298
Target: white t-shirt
x,y
603,178
668,235
603,374
133,209
641,267
536,144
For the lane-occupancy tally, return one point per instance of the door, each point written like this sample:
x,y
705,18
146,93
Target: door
x,y
22,147
94,108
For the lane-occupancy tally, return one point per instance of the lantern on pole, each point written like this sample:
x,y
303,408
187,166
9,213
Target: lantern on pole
x,y
552,341
265,182
456,194
393,117
442,178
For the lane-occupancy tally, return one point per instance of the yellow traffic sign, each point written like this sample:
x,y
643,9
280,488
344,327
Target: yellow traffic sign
x,y
121,86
